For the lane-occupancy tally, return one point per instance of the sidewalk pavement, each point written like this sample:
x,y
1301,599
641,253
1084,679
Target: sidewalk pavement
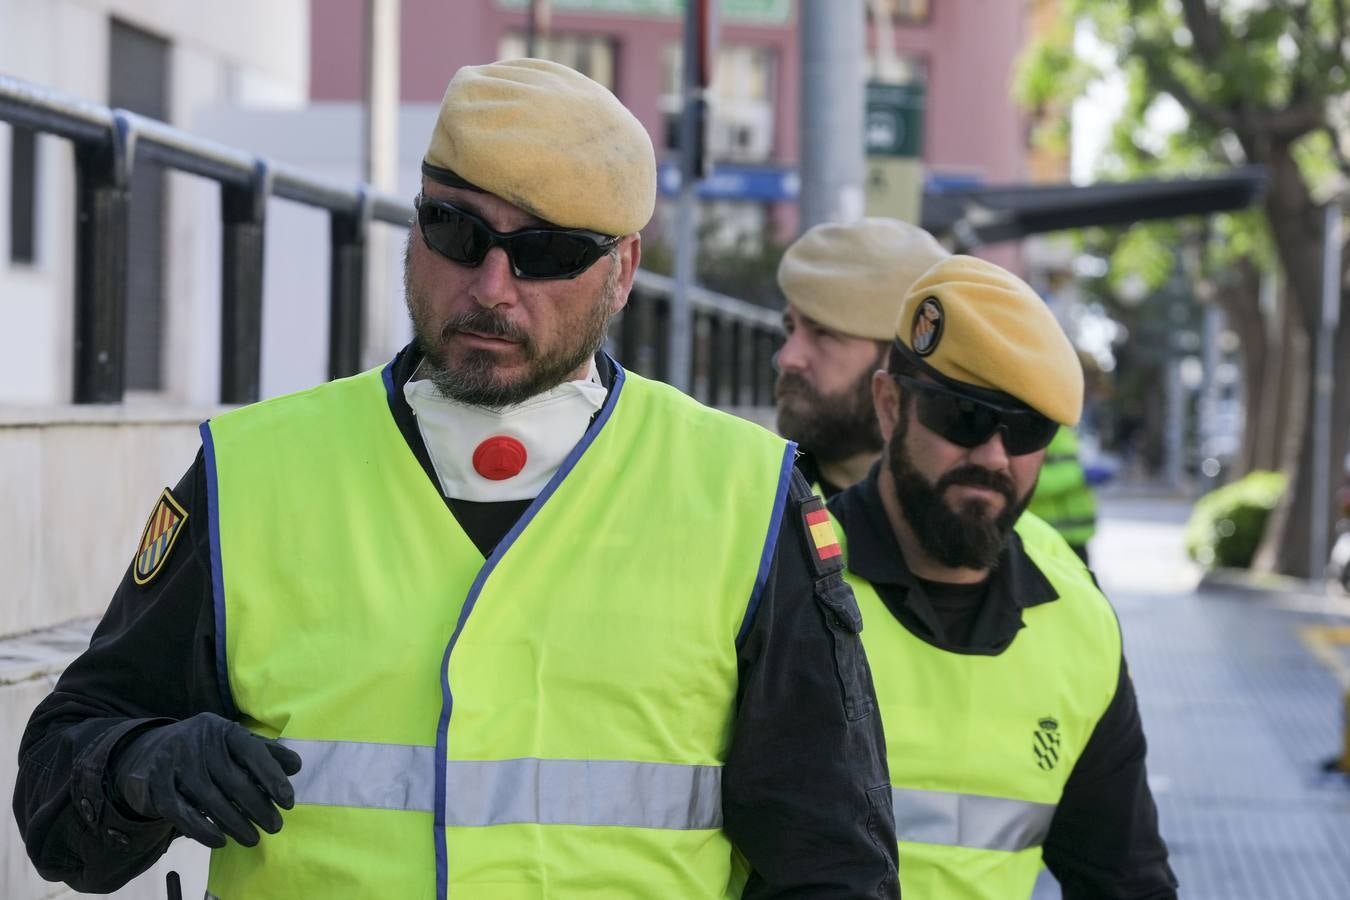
x,y
1240,714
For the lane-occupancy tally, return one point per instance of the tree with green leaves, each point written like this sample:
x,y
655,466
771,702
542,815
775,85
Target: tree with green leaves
x,y
1259,82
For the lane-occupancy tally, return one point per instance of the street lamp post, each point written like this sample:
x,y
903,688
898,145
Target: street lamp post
x,y
833,52
1323,376
381,165
537,24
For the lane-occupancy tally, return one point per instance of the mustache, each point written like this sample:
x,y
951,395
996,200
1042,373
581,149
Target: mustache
x,y
488,322
792,383
978,476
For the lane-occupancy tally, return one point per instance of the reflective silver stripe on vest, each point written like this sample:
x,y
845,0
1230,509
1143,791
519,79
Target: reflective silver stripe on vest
x,y
367,776
970,820
500,792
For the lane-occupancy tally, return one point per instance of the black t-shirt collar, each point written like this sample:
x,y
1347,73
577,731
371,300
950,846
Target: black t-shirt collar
x,y
874,554
807,464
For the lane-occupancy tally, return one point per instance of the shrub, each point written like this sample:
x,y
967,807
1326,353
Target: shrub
x,y
1226,524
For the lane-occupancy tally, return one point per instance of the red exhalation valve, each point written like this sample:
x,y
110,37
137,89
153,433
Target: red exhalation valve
x,y
499,457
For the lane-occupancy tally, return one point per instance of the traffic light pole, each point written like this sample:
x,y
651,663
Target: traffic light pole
x,y
699,18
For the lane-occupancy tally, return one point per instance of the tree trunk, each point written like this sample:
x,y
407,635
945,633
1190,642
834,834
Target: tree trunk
x,y
1296,223
1289,533
1279,394
1287,413
1241,303
1287,400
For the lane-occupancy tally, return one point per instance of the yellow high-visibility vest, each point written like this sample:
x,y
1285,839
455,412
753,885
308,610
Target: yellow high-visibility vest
x,y
1063,498
980,747
549,722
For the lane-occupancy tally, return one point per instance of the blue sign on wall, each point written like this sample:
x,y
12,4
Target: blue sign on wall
x,y
946,182
765,184
774,184
757,12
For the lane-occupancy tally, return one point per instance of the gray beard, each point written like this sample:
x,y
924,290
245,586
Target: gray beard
x,y
474,381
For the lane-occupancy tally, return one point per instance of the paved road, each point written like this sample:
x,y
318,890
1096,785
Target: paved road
x,y
1240,716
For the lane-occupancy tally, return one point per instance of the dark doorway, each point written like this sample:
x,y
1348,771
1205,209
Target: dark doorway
x,y
23,196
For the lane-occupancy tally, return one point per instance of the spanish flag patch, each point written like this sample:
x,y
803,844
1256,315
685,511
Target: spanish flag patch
x,y
825,549
161,532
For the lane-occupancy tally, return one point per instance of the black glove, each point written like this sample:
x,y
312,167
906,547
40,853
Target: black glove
x,y
207,777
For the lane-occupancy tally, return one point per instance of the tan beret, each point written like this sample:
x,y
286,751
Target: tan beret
x,y
852,278
978,323
549,140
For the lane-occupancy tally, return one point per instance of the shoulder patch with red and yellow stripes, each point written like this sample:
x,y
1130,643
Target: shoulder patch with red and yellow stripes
x,y
826,554
157,539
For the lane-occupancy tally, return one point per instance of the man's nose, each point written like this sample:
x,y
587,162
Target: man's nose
x,y
991,454
495,283
794,355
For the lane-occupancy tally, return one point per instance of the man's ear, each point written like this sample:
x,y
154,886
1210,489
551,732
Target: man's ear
x,y
886,402
629,256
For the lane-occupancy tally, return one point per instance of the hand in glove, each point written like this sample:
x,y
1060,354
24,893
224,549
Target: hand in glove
x,y
207,777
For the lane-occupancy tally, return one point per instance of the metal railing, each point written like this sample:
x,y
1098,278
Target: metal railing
x,y
733,342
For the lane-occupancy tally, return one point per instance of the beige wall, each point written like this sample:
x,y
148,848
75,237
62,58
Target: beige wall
x,y
75,487
77,483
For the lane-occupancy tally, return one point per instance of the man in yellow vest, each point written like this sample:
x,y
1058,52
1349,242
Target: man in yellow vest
x,y
843,285
1011,725
1062,497
500,620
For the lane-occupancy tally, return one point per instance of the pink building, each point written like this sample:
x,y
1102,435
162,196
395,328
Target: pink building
x,y
963,50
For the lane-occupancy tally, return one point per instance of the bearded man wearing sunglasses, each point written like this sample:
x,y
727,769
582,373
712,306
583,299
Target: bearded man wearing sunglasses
x,y
1012,729
536,627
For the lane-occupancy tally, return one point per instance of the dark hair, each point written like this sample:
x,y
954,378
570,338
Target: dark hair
x,y
903,362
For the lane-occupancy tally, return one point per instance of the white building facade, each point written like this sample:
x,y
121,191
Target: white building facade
x,y
183,58
76,482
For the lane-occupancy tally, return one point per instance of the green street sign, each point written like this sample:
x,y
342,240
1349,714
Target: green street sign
x,y
893,124
758,12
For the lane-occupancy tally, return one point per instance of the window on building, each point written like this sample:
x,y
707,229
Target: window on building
x,y
901,12
138,80
22,196
897,68
727,228
742,100
590,54
672,93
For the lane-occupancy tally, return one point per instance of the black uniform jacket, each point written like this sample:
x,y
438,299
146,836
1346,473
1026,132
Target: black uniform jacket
x,y
805,788
1103,842
810,469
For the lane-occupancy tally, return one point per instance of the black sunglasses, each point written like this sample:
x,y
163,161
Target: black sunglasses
x,y
968,422
535,253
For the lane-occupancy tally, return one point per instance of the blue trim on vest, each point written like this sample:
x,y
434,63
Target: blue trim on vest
x,y
217,570
447,698
770,542
387,376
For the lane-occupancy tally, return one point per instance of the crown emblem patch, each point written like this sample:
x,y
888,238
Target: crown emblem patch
x,y
1046,743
